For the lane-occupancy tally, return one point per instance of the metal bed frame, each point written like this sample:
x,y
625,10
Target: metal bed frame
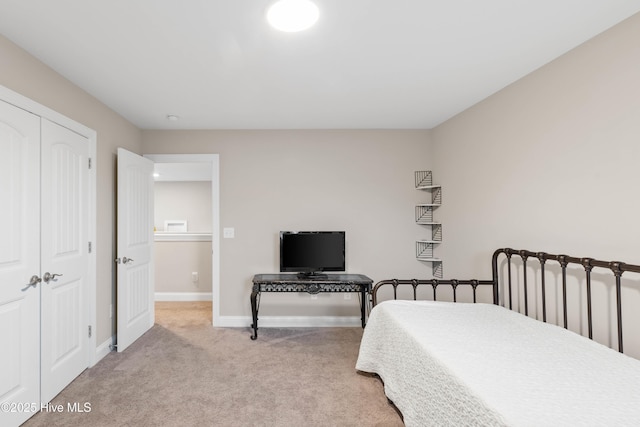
x,y
617,268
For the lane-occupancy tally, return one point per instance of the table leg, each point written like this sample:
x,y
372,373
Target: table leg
x,y
254,312
363,304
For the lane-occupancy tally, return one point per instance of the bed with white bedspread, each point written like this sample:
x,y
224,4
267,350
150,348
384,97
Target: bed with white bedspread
x,y
465,364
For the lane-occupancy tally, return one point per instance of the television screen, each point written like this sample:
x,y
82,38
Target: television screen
x,y
312,251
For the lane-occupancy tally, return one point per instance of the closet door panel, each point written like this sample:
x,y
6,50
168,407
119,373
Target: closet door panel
x,y
65,258
19,261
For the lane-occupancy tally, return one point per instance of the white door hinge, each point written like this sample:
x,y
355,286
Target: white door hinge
x,y
89,331
89,162
89,247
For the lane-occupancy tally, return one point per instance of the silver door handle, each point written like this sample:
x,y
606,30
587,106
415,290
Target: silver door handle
x,y
34,280
47,277
126,260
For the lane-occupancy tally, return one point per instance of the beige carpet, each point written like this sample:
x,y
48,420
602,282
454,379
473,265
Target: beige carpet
x,y
184,372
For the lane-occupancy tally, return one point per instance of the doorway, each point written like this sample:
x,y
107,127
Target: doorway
x,y
191,168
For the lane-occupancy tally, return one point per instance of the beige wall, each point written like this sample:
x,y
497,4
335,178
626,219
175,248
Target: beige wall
x,y
24,74
550,163
174,263
187,200
357,181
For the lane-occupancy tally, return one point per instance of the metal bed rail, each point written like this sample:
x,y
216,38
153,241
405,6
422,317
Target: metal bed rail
x,y
434,283
617,268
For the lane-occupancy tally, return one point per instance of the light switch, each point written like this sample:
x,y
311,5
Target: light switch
x,y
228,232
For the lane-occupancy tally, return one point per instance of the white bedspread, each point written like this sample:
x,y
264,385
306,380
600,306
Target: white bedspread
x,y
481,364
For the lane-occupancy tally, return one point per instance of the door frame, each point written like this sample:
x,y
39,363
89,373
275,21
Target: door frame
x,y
214,159
27,104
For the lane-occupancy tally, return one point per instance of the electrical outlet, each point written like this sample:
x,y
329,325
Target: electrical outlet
x,y
194,277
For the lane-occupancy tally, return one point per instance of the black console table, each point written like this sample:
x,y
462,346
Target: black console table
x,y
311,285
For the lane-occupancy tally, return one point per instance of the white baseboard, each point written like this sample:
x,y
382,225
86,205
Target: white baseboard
x,y
289,321
105,348
183,296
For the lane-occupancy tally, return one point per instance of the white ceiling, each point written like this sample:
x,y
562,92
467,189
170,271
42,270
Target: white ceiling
x,y
368,64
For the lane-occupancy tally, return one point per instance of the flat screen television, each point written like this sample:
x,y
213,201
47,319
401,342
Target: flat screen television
x,y
309,253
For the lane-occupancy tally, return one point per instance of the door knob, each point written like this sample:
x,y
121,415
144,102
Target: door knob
x,y
34,281
126,260
47,277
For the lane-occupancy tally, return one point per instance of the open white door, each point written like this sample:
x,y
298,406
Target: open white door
x,y
135,289
19,261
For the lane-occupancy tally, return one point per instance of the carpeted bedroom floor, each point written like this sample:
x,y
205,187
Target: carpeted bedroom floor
x,y
184,372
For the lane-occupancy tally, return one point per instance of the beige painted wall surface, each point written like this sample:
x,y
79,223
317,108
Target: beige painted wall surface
x,y
183,200
549,164
24,74
175,261
357,181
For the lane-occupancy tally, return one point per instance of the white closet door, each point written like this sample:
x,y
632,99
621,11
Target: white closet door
x,y
65,254
135,247
19,261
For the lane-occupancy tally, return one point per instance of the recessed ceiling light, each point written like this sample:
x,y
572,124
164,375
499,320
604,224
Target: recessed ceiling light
x,y
292,15
172,118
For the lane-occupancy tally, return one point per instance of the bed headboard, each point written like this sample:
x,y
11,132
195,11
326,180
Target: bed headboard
x,y
507,286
